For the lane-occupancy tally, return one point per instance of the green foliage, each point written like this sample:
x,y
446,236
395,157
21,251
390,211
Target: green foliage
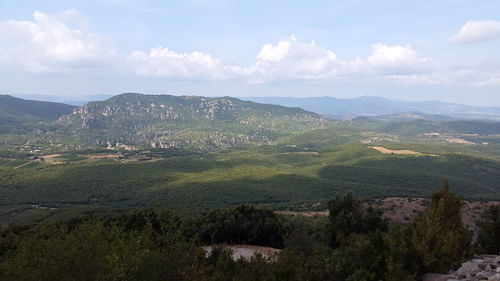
x,y
18,116
347,216
93,251
258,175
243,225
286,267
440,236
488,240
164,245
30,110
359,258
305,235
143,245
400,254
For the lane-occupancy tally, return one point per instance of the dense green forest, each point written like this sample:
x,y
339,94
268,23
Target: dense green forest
x,y
354,243
278,176
251,153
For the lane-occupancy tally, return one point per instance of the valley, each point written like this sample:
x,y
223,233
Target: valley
x,y
196,154
217,140
268,175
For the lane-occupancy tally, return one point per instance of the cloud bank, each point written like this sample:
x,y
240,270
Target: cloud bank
x,y
287,60
477,31
47,45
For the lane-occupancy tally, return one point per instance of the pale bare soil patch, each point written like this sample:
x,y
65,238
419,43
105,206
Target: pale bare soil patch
x,y
50,156
246,251
304,214
136,159
458,140
451,138
104,156
303,153
384,150
52,159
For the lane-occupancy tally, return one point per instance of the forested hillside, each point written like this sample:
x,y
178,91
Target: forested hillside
x,y
21,116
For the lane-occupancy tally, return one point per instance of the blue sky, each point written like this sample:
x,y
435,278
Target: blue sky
x,y
410,50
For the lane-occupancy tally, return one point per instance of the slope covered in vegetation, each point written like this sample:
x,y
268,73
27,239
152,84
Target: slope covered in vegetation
x,y
354,243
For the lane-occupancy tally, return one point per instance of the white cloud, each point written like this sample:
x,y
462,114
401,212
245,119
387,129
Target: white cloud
x,y
291,59
477,31
163,62
397,60
287,60
485,72
47,45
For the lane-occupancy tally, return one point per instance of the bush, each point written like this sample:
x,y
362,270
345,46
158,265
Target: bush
x,y
347,216
243,225
400,254
488,240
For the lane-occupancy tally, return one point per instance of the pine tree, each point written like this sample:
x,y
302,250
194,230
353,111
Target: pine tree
x,y
440,239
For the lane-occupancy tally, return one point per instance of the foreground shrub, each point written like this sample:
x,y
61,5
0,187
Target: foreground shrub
x,y
440,239
488,239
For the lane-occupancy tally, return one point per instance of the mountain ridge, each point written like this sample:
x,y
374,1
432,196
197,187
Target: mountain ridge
x,y
166,120
32,109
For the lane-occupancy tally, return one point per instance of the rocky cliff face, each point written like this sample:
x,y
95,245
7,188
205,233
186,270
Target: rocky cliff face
x,y
485,267
173,121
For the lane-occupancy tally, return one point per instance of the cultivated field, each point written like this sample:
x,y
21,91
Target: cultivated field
x,y
399,152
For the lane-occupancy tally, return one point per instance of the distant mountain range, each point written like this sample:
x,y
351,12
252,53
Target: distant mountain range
x,y
133,120
371,106
336,108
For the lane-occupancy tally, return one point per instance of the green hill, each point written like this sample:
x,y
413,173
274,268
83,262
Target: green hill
x,y
30,110
184,121
19,115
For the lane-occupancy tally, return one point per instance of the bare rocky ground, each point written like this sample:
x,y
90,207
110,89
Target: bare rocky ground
x,y
246,252
485,267
404,210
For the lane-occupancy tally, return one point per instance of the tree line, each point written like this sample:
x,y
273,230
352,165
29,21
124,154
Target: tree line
x,y
354,243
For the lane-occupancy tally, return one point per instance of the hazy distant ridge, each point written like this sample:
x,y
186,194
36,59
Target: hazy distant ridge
x,y
370,105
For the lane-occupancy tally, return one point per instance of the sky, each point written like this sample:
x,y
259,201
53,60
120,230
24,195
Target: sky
x,y
445,50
